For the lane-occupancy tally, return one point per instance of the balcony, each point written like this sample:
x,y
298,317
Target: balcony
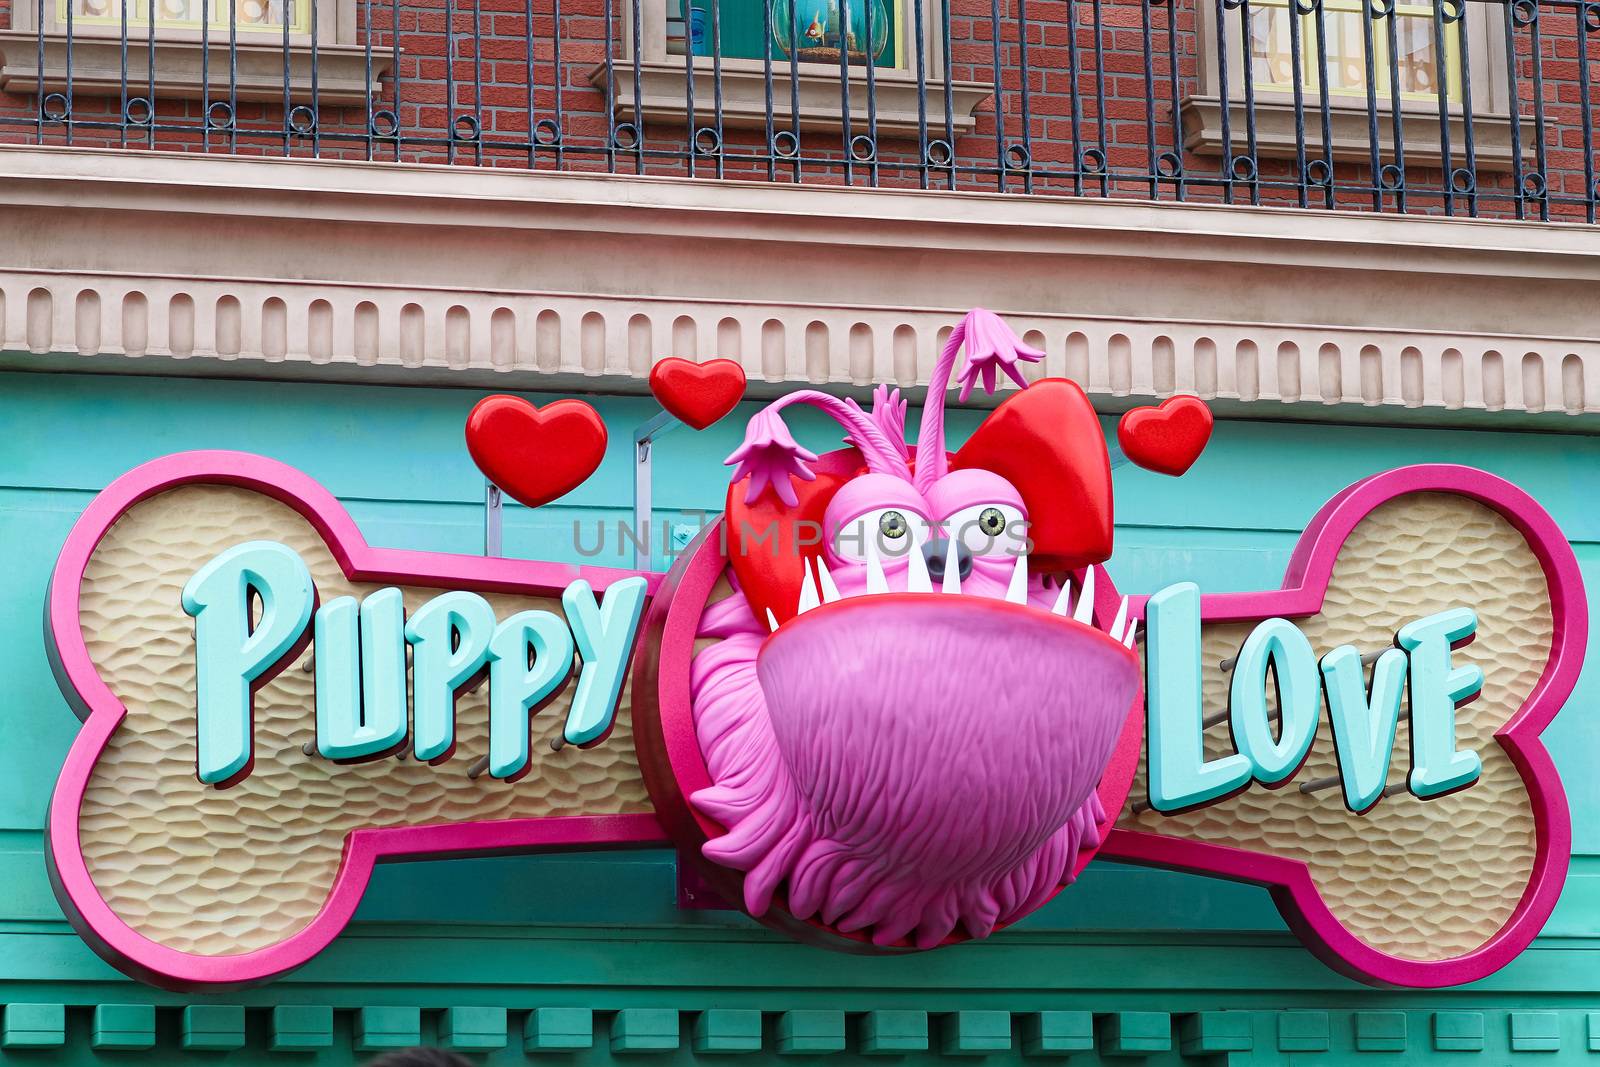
x,y
1353,209
1450,107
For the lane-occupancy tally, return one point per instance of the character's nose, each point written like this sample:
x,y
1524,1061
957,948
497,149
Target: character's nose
x,y
937,551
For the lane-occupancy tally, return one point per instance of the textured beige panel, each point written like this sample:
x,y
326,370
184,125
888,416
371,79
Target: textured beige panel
x,y
1417,879
225,871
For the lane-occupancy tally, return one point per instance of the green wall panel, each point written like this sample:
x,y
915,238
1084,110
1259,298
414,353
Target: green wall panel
x,y
578,953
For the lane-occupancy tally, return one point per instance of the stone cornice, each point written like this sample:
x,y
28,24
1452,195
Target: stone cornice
x,y
411,273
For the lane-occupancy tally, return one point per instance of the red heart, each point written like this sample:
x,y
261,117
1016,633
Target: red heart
x,y
697,393
535,454
1046,440
1169,438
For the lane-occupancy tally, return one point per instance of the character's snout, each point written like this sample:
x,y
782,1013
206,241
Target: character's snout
x,y
937,551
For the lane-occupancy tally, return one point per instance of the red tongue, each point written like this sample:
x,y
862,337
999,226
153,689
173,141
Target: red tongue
x,y
768,539
1046,441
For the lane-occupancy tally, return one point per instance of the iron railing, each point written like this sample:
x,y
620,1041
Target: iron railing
x,y
1450,107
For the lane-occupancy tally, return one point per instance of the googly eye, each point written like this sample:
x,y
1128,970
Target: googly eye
x,y
893,533
990,530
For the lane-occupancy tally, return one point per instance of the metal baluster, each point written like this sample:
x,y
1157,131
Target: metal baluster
x,y
1442,87
1541,184
794,86
1104,167
922,93
122,72
450,79
1375,161
1023,158
949,94
366,18
149,66
999,98
844,92
1226,109
766,85
1324,106
1298,74
1252,173
871,143
716,82
205,75
1465,180
394,59
1175,163
1395,173
1588,21
1080,158
688,86
316,85
233,75
39,67
557,76
611,97
1152,163
1515,90
638,89
66,107
288,104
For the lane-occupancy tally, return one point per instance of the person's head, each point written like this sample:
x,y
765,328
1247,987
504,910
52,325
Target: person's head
x,y
420,1057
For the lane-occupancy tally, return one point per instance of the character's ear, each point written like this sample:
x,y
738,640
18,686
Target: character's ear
x,y
1046,441
768,539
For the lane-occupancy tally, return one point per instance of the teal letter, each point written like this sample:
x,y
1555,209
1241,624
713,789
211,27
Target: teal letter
x,y
449,639
1280,643
1363,724
1435,688
517,686
361,712
231,656
1180,775
605,638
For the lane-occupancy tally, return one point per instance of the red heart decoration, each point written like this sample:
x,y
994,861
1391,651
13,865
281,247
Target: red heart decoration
x,y
535,454
697,393
1169,438
1046,440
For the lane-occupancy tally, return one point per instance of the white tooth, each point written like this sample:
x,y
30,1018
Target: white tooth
x,y
1122,617
808,592
952,567
1064,599
772,620
876,582
830,592
1133,631
1085,610
1017,591
917,580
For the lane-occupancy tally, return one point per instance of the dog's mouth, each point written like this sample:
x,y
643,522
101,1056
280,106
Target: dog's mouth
x,y
1063,595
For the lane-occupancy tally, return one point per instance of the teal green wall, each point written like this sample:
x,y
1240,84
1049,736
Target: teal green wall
x,y
602,931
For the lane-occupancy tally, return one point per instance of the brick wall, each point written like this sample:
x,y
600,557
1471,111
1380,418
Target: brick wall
x,y
496,81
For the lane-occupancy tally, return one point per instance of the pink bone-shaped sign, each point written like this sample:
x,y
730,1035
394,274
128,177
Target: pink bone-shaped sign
x,y
1303,594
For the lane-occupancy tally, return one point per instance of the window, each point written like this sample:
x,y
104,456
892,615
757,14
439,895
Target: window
x,y
1416,61
245,16
189,60
804,41
1420,74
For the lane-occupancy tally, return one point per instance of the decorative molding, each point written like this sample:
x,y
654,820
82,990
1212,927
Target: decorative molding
x,y
1275,133
489,278
96,69
744,102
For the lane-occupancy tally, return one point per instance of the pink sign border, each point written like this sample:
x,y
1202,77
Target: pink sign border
x,y
1301,594
101,713
1304,586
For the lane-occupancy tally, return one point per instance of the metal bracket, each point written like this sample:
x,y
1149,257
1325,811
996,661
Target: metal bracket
x,y
493,516
643,437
